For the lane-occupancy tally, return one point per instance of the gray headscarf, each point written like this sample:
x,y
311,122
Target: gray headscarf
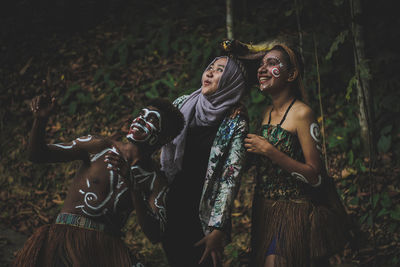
x,y
201,110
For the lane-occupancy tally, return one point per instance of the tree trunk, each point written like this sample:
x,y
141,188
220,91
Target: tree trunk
x,y
362,70
229,19
297,4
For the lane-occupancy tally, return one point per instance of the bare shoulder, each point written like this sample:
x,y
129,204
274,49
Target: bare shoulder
x,y
302,112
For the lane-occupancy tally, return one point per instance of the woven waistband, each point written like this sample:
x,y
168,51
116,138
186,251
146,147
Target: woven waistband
x,y
79,221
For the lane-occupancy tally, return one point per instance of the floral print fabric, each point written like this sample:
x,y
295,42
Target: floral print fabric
x,y
227,157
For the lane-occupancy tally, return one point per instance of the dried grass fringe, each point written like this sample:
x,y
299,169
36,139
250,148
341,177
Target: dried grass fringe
x,y
304,231
64,245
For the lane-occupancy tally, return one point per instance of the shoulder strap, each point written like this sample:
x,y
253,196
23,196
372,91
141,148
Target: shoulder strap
x,y
269,119
284,116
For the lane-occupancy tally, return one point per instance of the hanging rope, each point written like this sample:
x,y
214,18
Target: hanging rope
x,y
297,8
320,104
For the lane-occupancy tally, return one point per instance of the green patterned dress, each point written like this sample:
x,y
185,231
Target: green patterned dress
x,y
288,218
272,181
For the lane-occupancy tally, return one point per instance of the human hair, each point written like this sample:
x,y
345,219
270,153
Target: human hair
x,y
241,66
295,65
172,121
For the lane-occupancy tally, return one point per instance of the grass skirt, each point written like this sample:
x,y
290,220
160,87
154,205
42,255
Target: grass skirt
x,y
66,245
304,232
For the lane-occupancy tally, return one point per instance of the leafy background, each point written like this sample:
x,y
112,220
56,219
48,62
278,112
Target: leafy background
x,y
104,59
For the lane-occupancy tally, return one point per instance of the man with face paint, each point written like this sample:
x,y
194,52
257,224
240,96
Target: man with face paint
x,y
87,230
294,223
146,127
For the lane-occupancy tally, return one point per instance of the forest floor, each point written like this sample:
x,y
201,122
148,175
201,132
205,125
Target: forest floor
x,y
31,196
10,242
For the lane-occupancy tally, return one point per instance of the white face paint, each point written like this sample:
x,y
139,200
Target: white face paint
x,y
315,132
63,146
92,209
162,213
146,127
270,69
81,139
319,181
276,72
300,177
140,175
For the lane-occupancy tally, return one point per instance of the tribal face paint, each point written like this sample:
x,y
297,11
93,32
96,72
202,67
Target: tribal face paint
x,y
276,70
73,143
145,127
270,69
315,132
92,206
316,135
300,177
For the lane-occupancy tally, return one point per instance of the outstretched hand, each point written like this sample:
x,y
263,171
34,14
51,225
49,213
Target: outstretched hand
x,y
214,245
42,106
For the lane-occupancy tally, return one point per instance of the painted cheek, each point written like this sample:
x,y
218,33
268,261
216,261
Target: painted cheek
x,y
148,126
276,72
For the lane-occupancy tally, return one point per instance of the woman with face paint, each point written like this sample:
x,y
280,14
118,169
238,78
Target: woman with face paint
x,y
203,165
293,223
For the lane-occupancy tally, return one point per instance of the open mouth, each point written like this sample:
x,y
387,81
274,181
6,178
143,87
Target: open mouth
x,y
263,79
206,82
138,132
138,128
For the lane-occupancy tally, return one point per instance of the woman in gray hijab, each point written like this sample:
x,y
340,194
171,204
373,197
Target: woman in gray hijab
x,y
203,166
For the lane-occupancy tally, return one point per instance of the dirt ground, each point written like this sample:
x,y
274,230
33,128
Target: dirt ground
x,y
10,242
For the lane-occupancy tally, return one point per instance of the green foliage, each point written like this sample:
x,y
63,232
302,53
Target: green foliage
x,y
385,139
160,51
76,98
383,208
256,104
350,86
338,2
340,39
344,134
364,69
